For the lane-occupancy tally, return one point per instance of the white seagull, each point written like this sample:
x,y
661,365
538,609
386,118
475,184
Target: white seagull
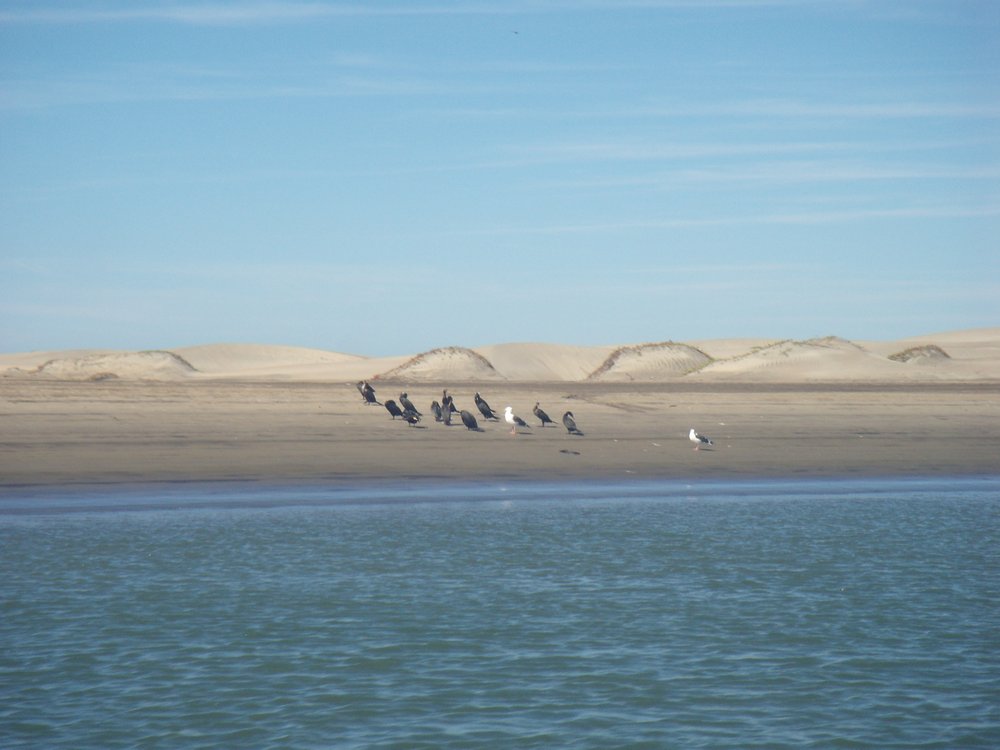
x,y
698,440
513,420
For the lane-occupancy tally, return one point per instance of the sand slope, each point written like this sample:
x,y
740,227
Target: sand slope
x,y
449,363
546,362
955,356
652,362
813,359
147,365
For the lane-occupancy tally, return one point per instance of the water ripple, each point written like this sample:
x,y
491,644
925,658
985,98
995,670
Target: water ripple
x,y
857,620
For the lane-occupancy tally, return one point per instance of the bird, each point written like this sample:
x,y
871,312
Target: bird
x,y
405,402
513,420
411,416
393,408
447,402
367,392
698,440
485,407
470,421
570,424
436,410
540,413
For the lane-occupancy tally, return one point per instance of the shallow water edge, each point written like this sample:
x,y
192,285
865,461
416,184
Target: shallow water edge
x,y
255,494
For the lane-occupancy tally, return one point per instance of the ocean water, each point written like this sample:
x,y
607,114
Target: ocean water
x,y
840,614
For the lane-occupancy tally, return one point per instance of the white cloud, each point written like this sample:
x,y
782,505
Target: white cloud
x,y
238,13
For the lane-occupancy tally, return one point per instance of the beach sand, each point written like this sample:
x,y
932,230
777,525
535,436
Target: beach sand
x,y
61,433
236,412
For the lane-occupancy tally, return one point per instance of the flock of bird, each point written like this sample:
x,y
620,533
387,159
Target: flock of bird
x,y
444,409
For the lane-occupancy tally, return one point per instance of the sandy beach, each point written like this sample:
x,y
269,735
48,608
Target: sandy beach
x,y
259,414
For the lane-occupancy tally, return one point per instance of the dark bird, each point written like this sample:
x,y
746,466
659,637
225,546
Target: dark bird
x,y
570,424
699,440
393,408
542,416
367,392
446,410
485,407
411,416
436,410
470,421
447,402
405,402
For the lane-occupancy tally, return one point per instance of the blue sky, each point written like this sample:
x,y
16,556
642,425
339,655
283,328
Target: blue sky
x,y
386,177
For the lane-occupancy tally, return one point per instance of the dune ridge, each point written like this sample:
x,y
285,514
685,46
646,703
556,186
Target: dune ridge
x,y
143,365
451,362
667,359
921,354
956,356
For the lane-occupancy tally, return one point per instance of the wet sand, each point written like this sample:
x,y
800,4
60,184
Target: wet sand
x,y
61,433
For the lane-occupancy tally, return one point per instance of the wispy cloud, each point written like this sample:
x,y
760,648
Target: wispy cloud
x,y
792,108
213,14
783,173
790,218
234,13
190,84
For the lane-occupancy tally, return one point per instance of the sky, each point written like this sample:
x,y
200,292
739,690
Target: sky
x,y
390,176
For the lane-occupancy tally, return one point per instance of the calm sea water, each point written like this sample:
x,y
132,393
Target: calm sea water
x,y
769,615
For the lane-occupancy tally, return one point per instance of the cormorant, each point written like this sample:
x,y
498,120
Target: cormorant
x,y
367,392
436,410
405,402
485,407
542,416
570,424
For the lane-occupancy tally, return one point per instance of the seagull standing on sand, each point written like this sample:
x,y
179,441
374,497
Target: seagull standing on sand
x,y
542,416
513,420
698,440
570,424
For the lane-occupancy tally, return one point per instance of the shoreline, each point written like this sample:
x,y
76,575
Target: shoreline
x,y
65,434
263,495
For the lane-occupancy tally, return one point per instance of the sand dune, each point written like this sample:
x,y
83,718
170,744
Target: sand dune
x,y
256,362
449,363
652,362
147,365
828,358
958,356
243,358
545,362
